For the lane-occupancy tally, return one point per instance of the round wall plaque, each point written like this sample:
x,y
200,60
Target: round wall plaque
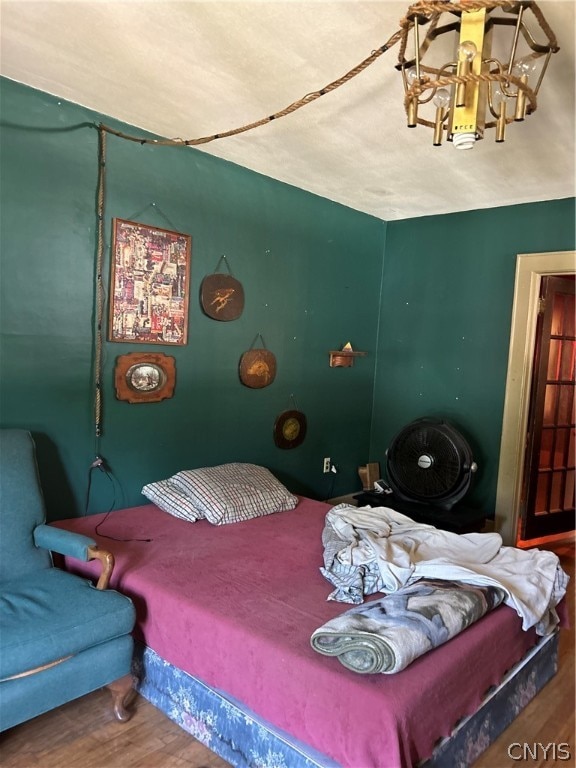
x,y
222,297
257,368
290,429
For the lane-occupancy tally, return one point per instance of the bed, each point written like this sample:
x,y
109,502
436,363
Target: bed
x,y
224,619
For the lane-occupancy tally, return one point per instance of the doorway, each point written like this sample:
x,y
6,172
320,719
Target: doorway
x,y
548,486
530,271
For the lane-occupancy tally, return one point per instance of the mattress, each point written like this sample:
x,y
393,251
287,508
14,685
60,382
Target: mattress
x,y
235,607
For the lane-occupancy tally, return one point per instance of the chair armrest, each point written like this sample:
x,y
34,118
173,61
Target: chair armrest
x,y
107,560
75,545
64,542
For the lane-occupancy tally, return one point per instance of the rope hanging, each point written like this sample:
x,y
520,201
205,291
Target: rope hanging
x,y
430,9
308,99
99,288
427,8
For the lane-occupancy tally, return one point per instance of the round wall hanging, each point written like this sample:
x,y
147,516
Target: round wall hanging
x,y
222,296
290,429
257,367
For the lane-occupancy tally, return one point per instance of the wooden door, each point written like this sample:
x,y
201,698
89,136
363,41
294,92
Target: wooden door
x,y
549,475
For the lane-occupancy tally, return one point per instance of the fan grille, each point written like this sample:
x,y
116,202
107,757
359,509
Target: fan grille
x,y
429,461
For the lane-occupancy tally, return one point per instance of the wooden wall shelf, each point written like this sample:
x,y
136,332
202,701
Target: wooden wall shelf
x,y
344,358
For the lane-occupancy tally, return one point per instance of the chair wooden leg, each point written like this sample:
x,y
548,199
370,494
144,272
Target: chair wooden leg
x,y
122,691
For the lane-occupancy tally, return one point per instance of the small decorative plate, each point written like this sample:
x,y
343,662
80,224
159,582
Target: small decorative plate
x,y
290,429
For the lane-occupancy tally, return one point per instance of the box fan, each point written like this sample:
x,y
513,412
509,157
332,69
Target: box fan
x,y
429,462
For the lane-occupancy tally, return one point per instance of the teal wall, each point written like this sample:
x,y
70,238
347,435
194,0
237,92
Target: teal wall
x,y
311,272
429,299
444,333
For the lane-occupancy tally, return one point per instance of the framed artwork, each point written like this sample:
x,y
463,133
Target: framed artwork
x,y
145,378
150,284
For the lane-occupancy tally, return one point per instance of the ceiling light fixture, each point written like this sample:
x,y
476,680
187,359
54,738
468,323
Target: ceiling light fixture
x,y
476,63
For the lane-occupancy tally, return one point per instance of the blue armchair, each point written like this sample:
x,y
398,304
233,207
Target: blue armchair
x,y
61,637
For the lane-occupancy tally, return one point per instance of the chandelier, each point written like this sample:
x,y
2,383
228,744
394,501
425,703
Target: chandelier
x,y
472,65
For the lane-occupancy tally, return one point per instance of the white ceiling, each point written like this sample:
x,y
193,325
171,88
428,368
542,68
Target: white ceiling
x,y
191,69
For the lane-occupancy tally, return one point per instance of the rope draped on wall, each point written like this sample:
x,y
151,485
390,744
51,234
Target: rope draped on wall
x,y
99,288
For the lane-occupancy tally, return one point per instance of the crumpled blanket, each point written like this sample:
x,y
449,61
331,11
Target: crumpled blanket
x,y
386,635
369,550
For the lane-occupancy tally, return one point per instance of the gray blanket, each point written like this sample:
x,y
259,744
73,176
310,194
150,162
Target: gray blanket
x,y
386,635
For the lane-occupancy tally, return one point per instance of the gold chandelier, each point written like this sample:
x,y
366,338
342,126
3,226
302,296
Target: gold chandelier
x,y
476,63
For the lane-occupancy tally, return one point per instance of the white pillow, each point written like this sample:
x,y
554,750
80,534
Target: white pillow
x,y
229,493
170,499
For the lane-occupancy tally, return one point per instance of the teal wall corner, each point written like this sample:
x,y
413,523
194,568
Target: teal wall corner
x,y
311,274
446,306
428,299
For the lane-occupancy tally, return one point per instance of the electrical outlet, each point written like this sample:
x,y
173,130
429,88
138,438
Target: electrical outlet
x,y
326,465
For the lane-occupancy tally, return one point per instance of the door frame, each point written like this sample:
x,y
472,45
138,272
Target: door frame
x,y
530,268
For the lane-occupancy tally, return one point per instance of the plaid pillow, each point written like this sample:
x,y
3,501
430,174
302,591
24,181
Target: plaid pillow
x,y
171,500
229,493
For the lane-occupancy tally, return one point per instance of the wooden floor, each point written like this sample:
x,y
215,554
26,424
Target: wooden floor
x,y
549,718
83,734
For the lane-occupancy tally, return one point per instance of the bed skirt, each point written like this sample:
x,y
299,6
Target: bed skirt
x,y
239,736
217,720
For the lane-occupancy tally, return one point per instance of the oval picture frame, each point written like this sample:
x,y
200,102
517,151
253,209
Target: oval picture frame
x,y
144,377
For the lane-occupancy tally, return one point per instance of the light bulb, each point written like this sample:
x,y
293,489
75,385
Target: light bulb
x,y
498,96
441,98
524,66
467,50
412,75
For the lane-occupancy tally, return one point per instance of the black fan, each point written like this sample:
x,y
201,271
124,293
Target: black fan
x,y
430,462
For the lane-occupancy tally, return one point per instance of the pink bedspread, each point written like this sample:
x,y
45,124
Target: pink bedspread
x,y
235,606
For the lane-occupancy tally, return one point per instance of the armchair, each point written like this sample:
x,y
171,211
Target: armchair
x,y
61,637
